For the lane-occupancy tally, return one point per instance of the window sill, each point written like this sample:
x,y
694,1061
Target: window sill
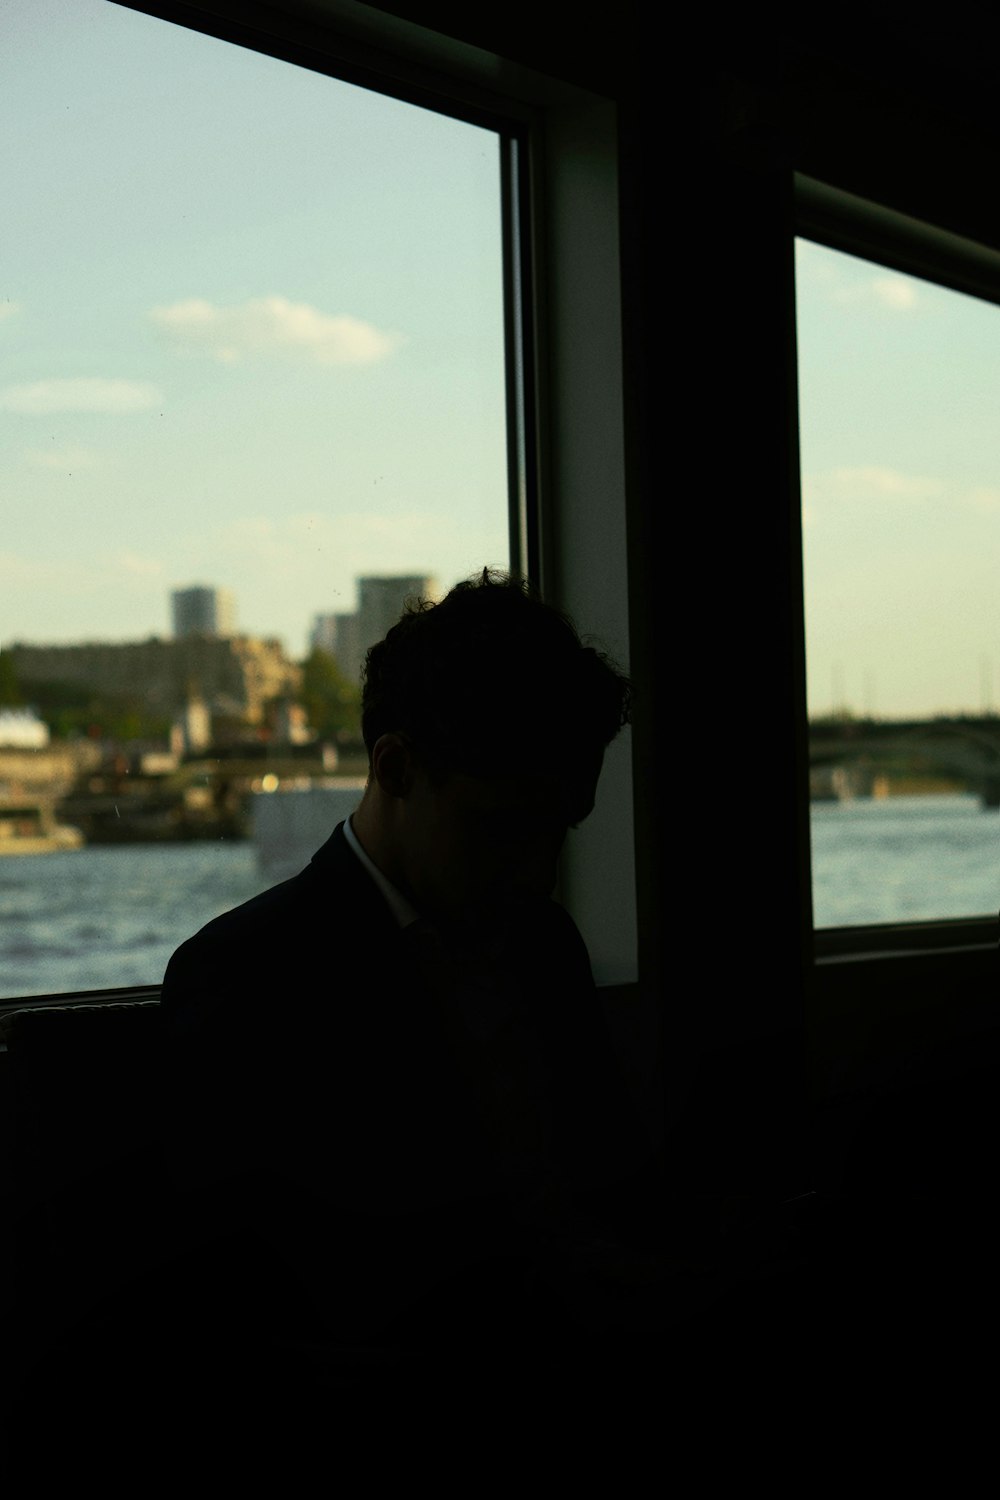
x,y
839,945
133,995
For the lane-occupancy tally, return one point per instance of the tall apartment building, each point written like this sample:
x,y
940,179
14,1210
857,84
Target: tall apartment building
x,y
338,636
380,604
347,647
323,635
203,611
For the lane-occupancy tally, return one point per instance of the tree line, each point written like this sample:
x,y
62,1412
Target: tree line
x,y
331,700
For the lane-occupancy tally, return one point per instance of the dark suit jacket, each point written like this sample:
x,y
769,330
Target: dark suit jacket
x,y
315,1123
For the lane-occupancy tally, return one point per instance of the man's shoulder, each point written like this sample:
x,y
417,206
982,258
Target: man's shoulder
x,y
282,925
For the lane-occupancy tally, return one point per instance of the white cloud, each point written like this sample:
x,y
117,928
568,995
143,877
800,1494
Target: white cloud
x,y
886,481
873,481
273,325
984,498
43,397
68,460
15,569
133,565
318,556
894,291
348,540
28,584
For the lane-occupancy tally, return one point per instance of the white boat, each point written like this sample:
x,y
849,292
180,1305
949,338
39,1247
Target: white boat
x,y
292,820
29,828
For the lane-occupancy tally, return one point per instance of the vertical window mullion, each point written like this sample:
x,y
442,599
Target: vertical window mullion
x,y
522,462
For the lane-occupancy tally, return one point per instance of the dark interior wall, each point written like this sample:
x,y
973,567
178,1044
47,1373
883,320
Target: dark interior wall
x,y
716,115
900,115
712,549
594,52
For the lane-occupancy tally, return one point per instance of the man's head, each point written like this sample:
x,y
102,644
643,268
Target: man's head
x,y
486,720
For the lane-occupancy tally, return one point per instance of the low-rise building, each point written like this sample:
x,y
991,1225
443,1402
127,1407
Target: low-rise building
x,y
239,674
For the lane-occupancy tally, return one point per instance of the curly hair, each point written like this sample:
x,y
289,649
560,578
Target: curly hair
x,y
488,674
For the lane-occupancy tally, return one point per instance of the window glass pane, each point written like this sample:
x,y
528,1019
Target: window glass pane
x,y
900,455
251,321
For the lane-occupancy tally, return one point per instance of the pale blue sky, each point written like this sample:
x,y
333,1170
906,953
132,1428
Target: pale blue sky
x,y
250,332
251,335
899,393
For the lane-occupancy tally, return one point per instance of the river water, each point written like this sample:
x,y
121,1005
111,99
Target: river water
x,y
110,916
904,859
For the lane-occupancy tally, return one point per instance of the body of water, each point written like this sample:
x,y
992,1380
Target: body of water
x,y
110,916
904,859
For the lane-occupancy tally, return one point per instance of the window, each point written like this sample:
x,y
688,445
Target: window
x,y
898,340
562,436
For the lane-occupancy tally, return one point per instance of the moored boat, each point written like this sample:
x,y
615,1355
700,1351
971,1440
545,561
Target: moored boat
x,y
30,828
292,821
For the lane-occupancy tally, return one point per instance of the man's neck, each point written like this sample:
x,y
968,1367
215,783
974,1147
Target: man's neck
x,y
370,834
403,910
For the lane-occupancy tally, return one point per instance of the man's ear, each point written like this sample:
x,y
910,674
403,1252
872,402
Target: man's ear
x,y
393,764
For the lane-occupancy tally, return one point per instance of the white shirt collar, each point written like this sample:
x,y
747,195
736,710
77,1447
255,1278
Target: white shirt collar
x,y
397,903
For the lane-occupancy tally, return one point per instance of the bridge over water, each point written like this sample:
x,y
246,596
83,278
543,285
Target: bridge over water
x,y
855,753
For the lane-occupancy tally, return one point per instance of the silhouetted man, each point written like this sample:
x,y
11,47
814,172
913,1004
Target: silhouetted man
x,y
394,1115
403,1044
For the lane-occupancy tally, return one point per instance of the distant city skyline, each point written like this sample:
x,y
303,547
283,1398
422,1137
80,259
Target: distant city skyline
x,y
208,609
